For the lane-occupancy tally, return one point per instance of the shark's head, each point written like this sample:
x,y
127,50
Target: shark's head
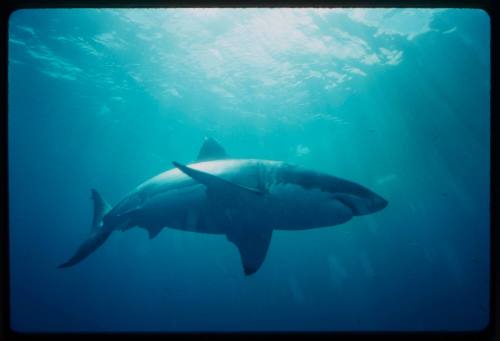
x,y
359,199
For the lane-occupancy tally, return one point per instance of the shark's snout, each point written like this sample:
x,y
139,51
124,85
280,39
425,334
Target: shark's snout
x,y
362,204
378,203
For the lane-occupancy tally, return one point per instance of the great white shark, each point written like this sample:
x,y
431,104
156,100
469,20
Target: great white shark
x,y
242,199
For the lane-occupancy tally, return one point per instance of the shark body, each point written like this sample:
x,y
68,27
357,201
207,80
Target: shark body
x,y
243,199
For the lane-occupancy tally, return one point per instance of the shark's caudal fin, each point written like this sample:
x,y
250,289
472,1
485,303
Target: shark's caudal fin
x,y
98,233
89,246
101,207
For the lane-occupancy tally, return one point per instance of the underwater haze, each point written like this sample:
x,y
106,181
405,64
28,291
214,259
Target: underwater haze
x,y
397,100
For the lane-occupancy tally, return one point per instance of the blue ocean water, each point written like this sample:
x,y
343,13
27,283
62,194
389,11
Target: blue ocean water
x,y
396,100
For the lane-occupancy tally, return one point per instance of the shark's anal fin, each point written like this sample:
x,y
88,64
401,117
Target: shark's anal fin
x,y
253,246
214,182
211,150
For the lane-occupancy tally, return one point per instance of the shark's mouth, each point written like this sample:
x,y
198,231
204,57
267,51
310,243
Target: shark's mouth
x,y
348,203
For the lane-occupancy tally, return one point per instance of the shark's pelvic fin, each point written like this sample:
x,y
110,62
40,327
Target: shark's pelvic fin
x,y
211,150
253,246
101,207
154,231
214,182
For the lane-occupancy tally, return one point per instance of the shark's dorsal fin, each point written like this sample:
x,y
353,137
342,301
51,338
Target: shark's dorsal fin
x,y
211,150
252,245
214,182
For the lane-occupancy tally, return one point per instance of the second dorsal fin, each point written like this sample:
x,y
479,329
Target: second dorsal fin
x,y
211,150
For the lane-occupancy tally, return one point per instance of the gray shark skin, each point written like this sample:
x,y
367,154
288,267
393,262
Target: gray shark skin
x,y
242,199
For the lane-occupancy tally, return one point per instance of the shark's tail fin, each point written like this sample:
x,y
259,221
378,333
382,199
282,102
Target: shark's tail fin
x,y
99,234
101,207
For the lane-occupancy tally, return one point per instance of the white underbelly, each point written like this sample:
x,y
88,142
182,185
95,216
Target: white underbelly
x,y
291,207
287,207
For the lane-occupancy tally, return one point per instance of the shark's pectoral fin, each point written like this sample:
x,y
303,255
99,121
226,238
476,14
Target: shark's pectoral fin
x,y
253,246
216,183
